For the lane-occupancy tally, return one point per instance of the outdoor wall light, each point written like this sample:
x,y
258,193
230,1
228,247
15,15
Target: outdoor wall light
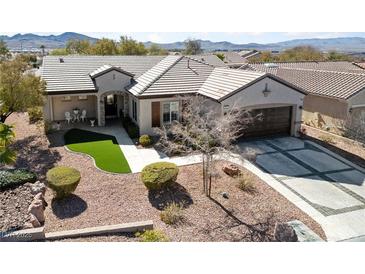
x,y
266,91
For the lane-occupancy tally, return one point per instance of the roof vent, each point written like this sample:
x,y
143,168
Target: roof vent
x,y
271,65
61,60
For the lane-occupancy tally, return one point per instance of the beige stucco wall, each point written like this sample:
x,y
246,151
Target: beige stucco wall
x,y
59,107
324,112
107,82
280,95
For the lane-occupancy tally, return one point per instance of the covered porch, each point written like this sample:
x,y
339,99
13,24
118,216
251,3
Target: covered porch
x,y
82,108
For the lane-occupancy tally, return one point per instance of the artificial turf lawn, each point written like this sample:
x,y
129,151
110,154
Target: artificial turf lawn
x,y
103,148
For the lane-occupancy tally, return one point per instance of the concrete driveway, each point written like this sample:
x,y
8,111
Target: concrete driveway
x,y
324,185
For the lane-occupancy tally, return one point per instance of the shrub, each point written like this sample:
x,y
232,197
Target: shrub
x,y
152,236
159,175
172,214
245,182
133,131
327,139
63,180
145,140
35,114
16,177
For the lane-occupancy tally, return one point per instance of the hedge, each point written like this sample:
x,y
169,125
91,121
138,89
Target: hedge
x,y
63,180
159,175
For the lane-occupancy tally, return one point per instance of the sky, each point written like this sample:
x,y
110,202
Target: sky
x,y
234,37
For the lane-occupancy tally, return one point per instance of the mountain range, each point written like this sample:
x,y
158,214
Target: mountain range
x,y
343,44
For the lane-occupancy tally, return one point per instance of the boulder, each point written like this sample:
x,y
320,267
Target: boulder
x,y
40,197
34,221
38,187
285,233
231,170
36,208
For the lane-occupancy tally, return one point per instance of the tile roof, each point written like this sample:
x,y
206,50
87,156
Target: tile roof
x,y
185,76
333,79
73,73
210,59
338,84
153,74
361,65
106,68
326,65
232,57
223,81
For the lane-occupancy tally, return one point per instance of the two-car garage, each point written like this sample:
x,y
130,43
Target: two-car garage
x,y
269,121
275,104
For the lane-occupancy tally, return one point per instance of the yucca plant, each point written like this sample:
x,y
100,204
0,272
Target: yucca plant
x,y
7,155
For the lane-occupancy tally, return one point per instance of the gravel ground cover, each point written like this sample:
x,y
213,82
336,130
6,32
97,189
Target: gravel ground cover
x,y
103,198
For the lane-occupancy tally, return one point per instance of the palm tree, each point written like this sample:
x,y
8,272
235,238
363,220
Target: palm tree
x,y
7,155
42,48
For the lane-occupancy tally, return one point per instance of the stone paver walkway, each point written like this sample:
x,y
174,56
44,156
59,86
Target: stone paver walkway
x,y
324,185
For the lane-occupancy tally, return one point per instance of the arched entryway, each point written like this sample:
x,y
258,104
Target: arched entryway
x,y
111,105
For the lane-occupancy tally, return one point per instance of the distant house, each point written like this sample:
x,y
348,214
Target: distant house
x,y
233,59
336,90
146,89
247,54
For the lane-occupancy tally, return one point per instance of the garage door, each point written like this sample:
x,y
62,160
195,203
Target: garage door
x,y
270,121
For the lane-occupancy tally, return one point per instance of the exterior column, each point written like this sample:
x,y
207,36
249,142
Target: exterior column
x,y
101,110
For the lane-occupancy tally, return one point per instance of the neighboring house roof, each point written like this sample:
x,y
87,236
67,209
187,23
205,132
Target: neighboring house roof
x,y
329,66
73,74
224,82
248,53
210,59
106,68
232,57
361,65
340,79
337,84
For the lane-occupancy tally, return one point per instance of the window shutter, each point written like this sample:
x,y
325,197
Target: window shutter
x,y
156,114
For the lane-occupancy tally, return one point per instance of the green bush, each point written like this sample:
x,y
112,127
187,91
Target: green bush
x,y
16,177
159,175
35,114
145,140
63,180
152,236
172,214
133,131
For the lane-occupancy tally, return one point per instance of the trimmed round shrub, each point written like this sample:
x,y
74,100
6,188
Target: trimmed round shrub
x,y
63,180
159,175
15,177
145,140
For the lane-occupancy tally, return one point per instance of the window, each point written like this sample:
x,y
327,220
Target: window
x,y
134,110
170,112
82,97
66,98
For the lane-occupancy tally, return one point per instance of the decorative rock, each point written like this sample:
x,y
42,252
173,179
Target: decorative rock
x,y
40,197
36,208
231,170
285,233
225,195
38,187
34,221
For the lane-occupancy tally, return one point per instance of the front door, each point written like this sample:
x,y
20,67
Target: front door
x,y
111,107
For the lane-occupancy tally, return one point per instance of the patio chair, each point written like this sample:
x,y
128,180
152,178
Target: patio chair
x,y
83,115
68,117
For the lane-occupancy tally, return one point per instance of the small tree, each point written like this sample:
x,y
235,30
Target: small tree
x,y
128,46
104,46
75,46
192,47
19,89
7,155
220,56
43,48
155,49
4,51
205,130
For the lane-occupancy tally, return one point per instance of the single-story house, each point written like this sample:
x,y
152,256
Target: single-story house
x,y
146,89
336,90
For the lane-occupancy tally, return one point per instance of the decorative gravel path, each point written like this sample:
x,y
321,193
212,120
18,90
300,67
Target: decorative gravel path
x,y
103,199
